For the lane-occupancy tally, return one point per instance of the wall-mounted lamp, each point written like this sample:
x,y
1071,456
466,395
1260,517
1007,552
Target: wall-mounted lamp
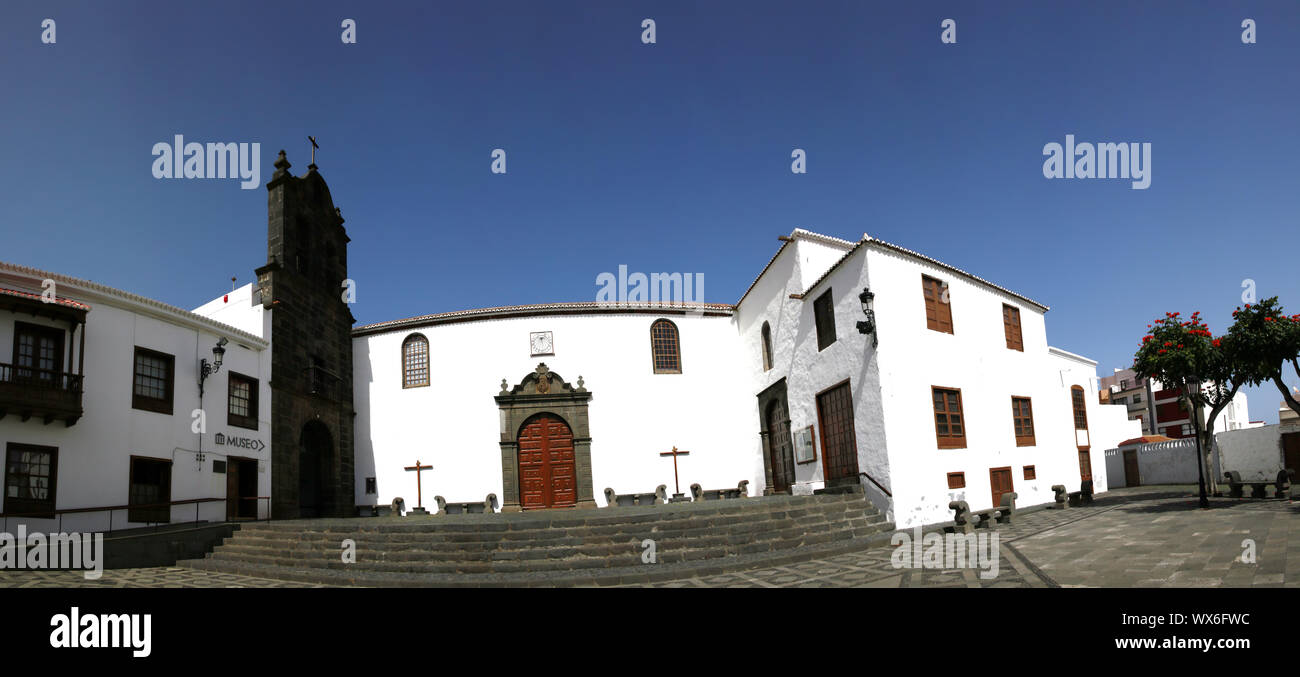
x,y
868,326
206,368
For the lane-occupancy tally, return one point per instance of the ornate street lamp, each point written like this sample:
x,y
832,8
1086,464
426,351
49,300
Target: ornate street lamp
x,y
868,326
206,368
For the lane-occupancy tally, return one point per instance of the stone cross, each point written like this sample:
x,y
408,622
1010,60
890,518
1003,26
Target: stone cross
x,y
419,498
675,453
312,139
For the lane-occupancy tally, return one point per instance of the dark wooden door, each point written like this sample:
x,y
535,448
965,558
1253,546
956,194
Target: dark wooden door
x,y
780,448
1291,453
232,490
547,467
1000,480
1131,477
839,443
1085,464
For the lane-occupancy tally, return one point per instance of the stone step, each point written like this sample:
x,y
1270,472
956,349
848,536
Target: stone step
x,y
528,550
533,538
549,560
551,545
563,519
638,574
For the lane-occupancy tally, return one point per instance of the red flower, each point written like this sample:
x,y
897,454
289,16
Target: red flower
x,y
1216,343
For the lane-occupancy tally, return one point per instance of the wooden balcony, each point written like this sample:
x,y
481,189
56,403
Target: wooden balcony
x,y
40,393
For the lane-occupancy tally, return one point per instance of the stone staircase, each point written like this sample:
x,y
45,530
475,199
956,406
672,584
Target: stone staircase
x,y
554,548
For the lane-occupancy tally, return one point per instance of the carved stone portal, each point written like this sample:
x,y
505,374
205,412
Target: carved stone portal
x,y
543,391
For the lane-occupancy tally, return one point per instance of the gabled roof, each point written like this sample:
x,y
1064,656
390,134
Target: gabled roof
x,y
58,300
530,310
852,247
135,303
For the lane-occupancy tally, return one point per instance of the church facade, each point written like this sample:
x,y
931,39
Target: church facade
x,y
847,364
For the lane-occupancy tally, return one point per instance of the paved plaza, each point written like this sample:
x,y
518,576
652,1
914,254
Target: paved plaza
x,y
1139,537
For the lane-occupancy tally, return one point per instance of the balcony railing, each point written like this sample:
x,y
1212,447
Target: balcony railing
x,y
43,393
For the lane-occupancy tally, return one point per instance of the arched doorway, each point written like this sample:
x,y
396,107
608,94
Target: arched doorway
x,y
547,466
779,447
315,456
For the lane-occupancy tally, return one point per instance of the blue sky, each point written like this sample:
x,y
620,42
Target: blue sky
x,y
668,157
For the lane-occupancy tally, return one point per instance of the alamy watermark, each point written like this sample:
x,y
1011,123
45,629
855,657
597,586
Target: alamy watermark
x,y
194,160
1098,161
653,288
947,551
53,551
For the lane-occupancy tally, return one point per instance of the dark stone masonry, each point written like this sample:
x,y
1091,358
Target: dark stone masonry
x,y
302,284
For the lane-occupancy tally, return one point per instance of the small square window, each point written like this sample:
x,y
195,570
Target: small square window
x,y
956,480
1029,473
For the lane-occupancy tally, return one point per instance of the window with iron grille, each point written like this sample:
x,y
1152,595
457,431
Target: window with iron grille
x,y
824,317
242,401
949,424
415,361
664,348
1022,417
154,376
30,474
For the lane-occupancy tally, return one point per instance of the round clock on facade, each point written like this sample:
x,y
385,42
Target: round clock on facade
x,y
541,343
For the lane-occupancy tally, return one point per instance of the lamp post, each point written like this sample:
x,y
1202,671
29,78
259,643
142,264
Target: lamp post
x,y
206,368
868,326
1194,413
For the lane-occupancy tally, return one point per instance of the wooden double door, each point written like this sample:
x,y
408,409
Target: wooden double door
x,y
839,442
1000,481
1291,454
1132,474
547,466
780,447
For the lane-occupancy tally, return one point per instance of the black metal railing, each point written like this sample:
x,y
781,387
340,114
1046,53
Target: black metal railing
x,y
40,391
133,510
322,382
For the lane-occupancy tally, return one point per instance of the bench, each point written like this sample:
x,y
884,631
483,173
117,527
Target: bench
x,y
487,505
660,496
1083,496
965,521
739,491
1258,488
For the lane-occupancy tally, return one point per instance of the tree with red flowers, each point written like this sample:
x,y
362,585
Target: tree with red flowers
x,y
1268,340
1184,356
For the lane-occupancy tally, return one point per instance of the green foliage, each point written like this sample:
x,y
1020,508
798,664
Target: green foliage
x,y
1183,354
1266,340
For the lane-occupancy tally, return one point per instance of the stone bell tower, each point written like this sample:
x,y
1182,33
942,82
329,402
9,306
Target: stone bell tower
x,y
302,285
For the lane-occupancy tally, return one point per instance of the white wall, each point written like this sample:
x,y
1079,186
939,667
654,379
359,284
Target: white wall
x,y
1254,452
454,424
94,454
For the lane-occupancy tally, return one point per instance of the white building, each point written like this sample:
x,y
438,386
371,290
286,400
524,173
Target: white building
x,y
745,389
949,392
97,408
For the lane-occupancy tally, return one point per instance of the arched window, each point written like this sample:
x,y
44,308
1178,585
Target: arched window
x,y
415,361
664,348
767,346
